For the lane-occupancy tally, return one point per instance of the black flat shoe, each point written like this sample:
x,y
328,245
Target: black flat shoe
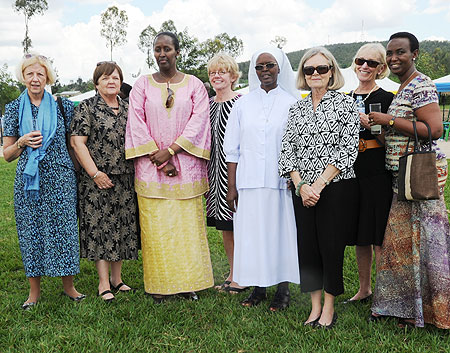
x,y
120,285
104,293
158,298
75,299
405,323
28,306
376,318
254,298
189,296
313,323
359,301
223,285
331,325
280,301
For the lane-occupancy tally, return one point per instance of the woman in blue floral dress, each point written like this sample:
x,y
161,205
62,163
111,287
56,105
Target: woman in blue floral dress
x,y
45,190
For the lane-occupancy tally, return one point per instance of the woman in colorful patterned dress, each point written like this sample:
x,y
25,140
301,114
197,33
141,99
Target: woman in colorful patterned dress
x,y
107,202
413,275
45,190
223,72
168,137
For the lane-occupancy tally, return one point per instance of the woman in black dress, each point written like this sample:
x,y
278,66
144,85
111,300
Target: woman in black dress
x,y
375,191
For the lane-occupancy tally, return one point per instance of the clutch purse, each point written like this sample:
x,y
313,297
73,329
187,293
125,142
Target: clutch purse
x,y
417,172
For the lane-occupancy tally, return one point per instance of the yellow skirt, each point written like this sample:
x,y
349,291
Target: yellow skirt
x,y
175,250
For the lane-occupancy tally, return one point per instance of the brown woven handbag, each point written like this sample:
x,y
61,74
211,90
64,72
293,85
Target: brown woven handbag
x,y
417,173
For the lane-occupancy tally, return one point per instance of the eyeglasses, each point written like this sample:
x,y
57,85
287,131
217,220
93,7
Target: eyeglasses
x,y
371,63
267,66
214,73
321,69
170,99
106,62
29,56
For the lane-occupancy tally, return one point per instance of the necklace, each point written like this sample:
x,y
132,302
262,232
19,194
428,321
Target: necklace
x,y
368,94
115,108
168,81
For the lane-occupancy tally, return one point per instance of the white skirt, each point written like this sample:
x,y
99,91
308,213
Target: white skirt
x,y
265,238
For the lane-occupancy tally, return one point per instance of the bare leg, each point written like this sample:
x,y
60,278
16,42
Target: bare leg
x,y
364,261
68,286
116,276
328,309
228,244
35,289
316,306
377,255
103,275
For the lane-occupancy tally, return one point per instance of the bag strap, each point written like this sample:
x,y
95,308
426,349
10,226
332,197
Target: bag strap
x,y
61,107
416,137
429,134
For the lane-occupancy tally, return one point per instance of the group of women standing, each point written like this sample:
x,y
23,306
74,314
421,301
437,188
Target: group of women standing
x,y
291,182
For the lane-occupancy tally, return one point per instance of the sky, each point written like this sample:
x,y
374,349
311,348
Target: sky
x,y
69,31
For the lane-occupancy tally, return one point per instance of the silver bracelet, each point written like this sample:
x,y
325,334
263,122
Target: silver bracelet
x,y
95,175
324,180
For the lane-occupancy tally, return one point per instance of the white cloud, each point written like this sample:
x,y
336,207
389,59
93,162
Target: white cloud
x,y
76,48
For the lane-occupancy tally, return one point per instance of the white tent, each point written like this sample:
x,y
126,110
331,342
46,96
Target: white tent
x,y
82,96
444,79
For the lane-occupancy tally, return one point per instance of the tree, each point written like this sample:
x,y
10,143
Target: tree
x,y
222,43
114,24
29,8
9,88
279,41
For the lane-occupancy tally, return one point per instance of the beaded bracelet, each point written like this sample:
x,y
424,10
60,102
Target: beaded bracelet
x,y
299,185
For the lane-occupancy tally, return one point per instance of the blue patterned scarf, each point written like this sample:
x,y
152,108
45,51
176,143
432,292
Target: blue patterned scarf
x,y
46,123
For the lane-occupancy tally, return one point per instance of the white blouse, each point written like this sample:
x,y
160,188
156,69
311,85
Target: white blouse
x,y
313,140
253,137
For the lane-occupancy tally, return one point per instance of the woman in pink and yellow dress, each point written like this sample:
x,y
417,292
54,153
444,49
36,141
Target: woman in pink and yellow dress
x,y
168,136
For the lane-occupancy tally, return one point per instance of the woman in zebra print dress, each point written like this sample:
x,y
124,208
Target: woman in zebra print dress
x,y
223,74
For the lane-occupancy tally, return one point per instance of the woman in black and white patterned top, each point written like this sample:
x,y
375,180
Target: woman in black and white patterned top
x,y
318,150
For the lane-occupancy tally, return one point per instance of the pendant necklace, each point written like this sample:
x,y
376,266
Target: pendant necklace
x,y
368,94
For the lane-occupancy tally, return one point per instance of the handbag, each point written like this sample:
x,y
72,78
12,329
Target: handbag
x,y
417,173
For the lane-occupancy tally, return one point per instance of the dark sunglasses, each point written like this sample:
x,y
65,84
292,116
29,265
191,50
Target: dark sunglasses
x,y
267,66
29,56
106,62
370,63
170,99
321,69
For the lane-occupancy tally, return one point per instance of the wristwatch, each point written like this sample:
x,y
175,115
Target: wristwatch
x,y
392,121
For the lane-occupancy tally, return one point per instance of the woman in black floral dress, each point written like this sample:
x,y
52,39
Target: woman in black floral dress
x,y
108,227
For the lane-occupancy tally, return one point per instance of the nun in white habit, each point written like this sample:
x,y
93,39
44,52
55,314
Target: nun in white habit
x,y
265,248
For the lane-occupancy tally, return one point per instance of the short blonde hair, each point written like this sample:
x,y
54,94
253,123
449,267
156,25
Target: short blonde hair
x,y
381,56
31,59
336,80
227,63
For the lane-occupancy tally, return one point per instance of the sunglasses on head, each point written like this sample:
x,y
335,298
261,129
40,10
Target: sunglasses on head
x,y
29,56
268,66
106,62
170,99
371,63
321,69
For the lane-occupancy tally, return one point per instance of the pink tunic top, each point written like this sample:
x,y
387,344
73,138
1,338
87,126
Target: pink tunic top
x,y
152,126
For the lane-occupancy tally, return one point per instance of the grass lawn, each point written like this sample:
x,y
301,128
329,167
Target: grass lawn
x,y
216,323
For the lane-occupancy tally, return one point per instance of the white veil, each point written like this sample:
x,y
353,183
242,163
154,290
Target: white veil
x,y
286,78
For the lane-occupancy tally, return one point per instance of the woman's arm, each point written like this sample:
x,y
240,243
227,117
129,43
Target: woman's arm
x,y
429,113
13,146
78,144
232,194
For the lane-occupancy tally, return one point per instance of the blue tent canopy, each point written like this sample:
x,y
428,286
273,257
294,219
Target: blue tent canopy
x,y
443,87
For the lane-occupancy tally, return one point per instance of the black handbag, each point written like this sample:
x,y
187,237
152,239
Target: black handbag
x,y
417,172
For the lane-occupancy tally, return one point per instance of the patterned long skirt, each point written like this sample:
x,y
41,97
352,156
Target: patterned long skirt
x,y
175,251
413,277
108,219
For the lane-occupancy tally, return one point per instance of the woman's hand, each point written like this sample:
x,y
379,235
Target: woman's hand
x,y
364,120
170,170
159,157
232,198
309,195
377,118
102,180
33,139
